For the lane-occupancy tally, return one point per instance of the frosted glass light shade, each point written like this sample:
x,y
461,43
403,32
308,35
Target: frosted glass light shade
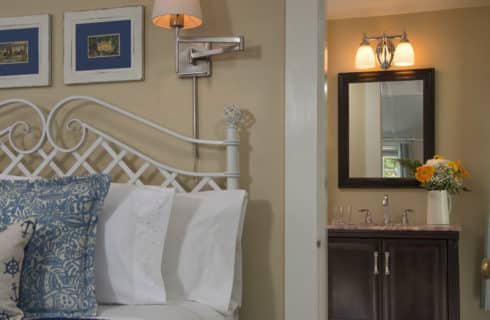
x,y
365,57
404,55
164,11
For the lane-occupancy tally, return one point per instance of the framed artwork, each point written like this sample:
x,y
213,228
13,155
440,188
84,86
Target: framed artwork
x,y
25,51
104,45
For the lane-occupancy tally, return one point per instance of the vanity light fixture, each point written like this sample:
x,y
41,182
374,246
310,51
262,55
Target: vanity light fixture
x,y
192,54
386,54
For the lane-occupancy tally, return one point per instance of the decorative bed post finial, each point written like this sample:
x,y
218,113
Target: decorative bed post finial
x,y
232,142
232,115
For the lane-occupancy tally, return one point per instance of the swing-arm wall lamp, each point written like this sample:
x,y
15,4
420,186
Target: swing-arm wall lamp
x,y
192,54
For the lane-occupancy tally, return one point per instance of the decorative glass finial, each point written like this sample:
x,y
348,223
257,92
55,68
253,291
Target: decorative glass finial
x,y
232,115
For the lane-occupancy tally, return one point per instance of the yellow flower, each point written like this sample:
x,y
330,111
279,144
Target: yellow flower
x,y
454,165
458,168
424,173
439,157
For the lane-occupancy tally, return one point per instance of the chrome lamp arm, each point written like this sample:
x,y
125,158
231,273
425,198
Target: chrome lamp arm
x,y
193,53
232,44
224,40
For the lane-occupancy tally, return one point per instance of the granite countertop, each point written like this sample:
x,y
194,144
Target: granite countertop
x,y
395,227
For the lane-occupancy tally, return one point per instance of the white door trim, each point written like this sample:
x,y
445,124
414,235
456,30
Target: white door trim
x,y
305,172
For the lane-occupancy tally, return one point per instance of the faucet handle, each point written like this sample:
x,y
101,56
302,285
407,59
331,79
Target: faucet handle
x,y
368,219
405,214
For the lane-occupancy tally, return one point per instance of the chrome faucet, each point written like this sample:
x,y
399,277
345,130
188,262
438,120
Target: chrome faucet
x,y
386,209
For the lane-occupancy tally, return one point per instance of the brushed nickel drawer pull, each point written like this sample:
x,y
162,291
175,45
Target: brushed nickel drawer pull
x,y
387,263
376,267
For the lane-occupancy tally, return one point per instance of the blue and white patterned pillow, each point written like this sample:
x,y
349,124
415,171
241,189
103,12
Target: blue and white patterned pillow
x,y
58,274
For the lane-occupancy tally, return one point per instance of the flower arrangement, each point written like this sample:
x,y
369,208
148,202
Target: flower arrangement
x,y
440,174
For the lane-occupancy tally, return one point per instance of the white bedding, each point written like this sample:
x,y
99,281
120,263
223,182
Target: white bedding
x,y
170,311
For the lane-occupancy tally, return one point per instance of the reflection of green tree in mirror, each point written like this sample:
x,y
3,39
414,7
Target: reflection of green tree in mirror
x,y
391,168
410,165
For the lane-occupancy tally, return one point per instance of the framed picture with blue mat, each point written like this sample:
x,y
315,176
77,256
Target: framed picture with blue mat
x,y
104,45
25,51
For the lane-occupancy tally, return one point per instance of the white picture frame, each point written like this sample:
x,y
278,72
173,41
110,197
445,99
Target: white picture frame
x,y
40,77
72,70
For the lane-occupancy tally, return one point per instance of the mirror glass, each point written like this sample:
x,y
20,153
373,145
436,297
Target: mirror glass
x,y
386,124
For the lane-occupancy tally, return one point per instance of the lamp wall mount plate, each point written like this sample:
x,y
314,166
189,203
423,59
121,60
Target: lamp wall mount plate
x,y
385,51
198,68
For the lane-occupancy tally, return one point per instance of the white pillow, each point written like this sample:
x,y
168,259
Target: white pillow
x,y
236,294
130,237
202,256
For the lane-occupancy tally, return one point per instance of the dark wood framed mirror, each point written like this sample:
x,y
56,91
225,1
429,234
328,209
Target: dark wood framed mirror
x,y
384,116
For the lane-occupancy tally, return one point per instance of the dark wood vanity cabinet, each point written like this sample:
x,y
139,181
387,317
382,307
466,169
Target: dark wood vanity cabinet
x,y
393,275
353,284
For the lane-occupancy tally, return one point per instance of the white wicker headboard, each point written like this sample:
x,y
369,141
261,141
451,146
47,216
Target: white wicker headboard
x,y
48,150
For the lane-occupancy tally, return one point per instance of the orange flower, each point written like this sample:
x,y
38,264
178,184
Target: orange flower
x,y
424,173
464,172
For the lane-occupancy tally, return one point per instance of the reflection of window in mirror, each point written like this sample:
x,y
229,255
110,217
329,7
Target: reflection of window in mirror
x,y
391,166
386,125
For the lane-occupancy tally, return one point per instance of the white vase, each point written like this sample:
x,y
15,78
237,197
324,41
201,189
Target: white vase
x,y
439,206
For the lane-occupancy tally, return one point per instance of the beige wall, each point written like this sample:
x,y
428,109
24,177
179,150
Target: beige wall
x,y
364,130
254,79
357,130
456,44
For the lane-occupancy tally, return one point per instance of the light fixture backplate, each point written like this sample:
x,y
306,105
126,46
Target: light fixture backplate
x,y
385,52
186,69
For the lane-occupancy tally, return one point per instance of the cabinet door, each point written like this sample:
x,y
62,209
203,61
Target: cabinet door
x,y
353,281
414,280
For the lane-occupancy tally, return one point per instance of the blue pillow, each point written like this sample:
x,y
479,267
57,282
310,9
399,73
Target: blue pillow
x,y
58,273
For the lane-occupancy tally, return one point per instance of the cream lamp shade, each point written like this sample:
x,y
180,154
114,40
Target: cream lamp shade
x,y
404,55
185,14
365,57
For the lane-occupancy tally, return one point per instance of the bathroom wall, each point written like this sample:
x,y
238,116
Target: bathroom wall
x,y
365,121
456,44
253,79
357,129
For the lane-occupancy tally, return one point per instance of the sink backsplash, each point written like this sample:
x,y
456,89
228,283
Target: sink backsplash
x,y
400,200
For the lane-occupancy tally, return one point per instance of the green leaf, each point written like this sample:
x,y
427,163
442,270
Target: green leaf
x,y
409,164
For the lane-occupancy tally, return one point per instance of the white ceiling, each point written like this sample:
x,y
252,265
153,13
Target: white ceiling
x,y
341,9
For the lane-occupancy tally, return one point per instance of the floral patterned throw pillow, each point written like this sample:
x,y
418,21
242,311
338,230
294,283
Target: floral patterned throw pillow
x,y
58,278
13,239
